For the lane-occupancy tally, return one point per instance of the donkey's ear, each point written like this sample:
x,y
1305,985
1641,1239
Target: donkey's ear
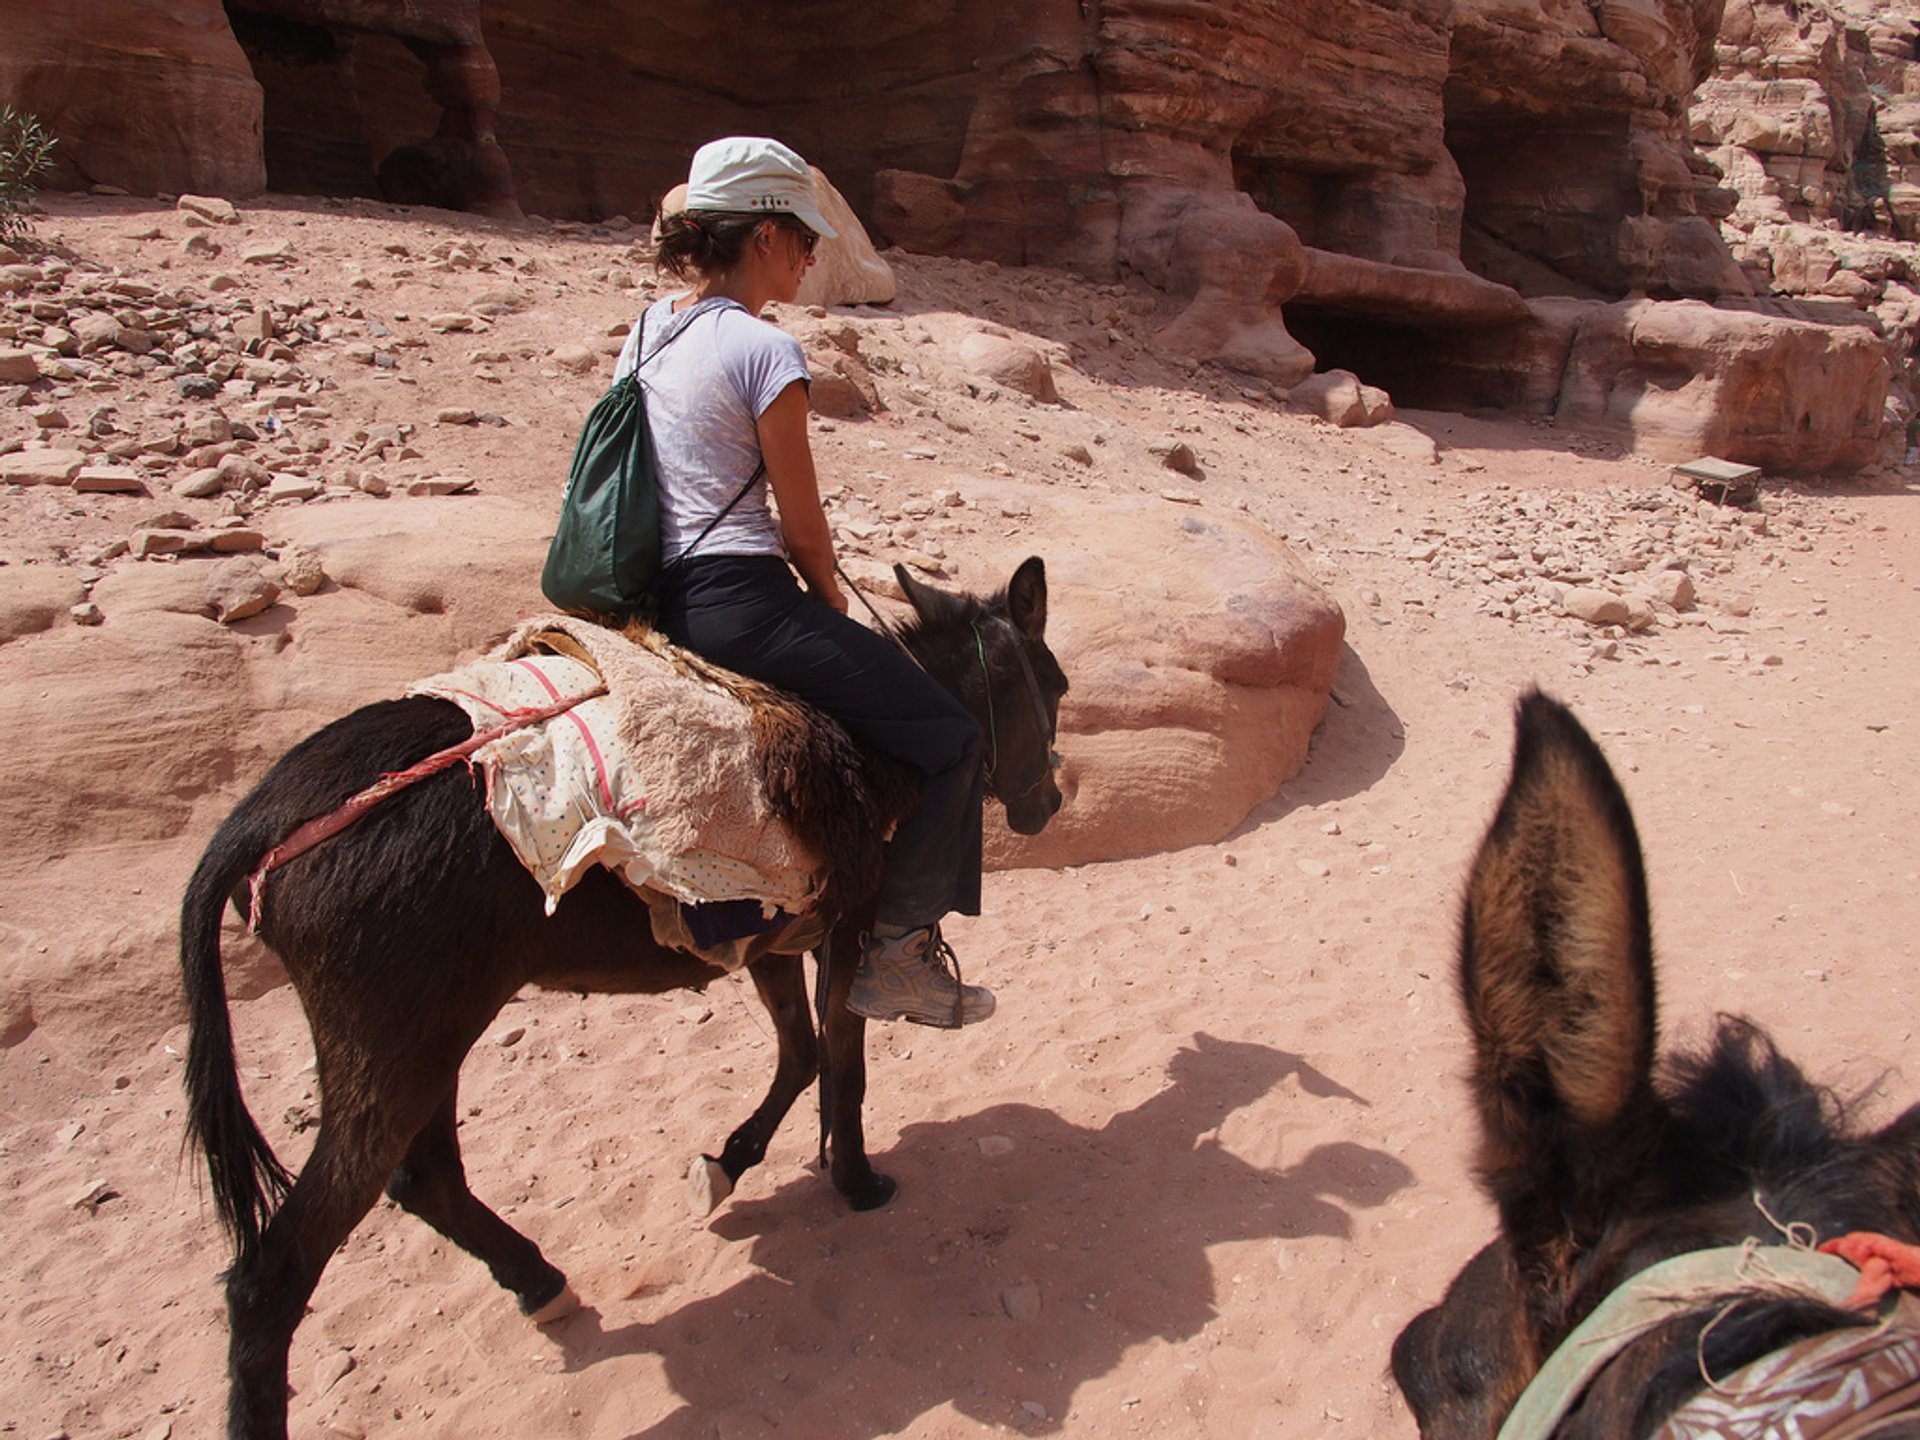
x,y
1556,968
1027,598
931,605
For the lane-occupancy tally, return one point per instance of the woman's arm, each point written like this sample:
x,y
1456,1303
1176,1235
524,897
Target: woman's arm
x,y
796,490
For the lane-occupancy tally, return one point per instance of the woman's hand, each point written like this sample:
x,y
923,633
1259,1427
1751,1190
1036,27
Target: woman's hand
x,y
830,595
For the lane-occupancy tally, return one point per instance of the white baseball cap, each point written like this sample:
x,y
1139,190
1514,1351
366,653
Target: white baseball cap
x,y
751,175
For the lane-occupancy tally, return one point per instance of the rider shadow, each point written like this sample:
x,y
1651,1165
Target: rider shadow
x,y
1024,1256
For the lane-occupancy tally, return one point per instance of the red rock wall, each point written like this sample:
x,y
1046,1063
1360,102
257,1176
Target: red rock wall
x,y
142,95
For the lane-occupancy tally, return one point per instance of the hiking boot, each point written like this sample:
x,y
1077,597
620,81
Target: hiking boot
x,y
913,977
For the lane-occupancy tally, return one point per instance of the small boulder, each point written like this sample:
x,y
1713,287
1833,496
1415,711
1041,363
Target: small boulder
x,y
1337,396
1596,607
302,570
210,208
239,588
576,359
1009,364
18,367
1177,456
109,480
41,467
1672,588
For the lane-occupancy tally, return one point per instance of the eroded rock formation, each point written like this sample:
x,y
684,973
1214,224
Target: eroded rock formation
x,y
1386,186
1813,113
143,95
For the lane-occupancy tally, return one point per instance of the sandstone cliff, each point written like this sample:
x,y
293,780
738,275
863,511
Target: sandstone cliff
x,y
1813,114
1411,190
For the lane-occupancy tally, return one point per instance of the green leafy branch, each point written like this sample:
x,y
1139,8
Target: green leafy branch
x,y
25,151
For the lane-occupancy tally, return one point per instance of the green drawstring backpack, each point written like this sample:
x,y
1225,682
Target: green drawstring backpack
x,y
605,557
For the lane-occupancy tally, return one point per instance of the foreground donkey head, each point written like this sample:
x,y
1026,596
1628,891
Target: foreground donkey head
x,y
1603,1165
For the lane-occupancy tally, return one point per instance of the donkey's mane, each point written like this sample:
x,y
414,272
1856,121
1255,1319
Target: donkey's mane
x,y
956,612
1742,1111
1745,1123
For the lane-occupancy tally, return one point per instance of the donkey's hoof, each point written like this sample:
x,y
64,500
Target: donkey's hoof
x,y
871,1193
558,1308
707,1185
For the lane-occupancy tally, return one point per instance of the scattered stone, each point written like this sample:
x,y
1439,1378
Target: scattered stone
x,y
233,540
41,467
293,487
238,589
575,359
267,252
996,1147
257,326
454,415
86,613
331,1370
1176,455
1596,607
1672,588
91,1196
302,570
440,485
1009,363
1021,1301
196,387
1338,397
210,208
510,1037
109,480
150,541
450,323
18,367
200,484
199,246
49,417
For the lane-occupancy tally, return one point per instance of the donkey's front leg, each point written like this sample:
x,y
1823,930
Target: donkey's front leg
x,y
845,1078
781,983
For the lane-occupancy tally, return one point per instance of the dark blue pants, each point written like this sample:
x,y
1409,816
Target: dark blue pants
x,y
748,614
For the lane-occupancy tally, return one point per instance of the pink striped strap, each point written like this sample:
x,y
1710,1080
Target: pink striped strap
x,y
325,827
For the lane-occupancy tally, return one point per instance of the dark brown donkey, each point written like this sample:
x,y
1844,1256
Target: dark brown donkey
x,y
406,933
1604,1165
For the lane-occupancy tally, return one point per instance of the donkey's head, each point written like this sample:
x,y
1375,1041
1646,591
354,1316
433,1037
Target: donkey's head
x,y
994,655
1600,1165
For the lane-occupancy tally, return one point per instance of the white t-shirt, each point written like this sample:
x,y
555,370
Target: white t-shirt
x,y
706,390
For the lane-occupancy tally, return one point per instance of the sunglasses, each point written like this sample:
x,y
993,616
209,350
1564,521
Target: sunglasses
x,y
801,233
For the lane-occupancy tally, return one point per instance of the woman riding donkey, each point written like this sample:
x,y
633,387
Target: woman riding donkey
x,y
726,397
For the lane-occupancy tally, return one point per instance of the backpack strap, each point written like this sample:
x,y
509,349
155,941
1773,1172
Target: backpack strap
x,y
682,322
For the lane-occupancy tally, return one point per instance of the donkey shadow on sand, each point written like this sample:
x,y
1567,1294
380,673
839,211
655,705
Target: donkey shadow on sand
x,y
1078,1217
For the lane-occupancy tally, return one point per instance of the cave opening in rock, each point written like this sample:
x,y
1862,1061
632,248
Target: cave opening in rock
x,y
1423,367
335,102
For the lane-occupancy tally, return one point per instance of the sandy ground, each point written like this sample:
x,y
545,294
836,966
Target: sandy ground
x,y
1210,1155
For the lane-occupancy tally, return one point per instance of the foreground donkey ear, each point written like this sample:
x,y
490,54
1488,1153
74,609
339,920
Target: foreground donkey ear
x,y
1027,598
1556,968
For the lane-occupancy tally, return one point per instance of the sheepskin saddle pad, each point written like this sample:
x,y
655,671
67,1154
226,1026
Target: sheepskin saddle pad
x,y
730,807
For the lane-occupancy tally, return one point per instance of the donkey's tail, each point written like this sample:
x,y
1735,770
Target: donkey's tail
x,y
249,1182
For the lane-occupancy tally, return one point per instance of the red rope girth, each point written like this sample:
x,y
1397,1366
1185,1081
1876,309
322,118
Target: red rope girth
x,y
324,827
